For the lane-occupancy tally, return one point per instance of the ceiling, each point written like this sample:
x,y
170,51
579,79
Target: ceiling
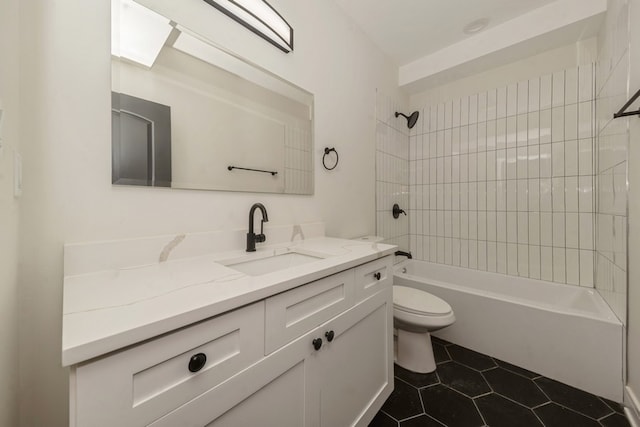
x,y
427,41
410,29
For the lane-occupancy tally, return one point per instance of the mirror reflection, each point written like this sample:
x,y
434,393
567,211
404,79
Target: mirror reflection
x,y
187,115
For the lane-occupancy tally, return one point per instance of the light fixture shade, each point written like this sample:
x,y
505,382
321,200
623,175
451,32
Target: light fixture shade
x,y
259,17
137,33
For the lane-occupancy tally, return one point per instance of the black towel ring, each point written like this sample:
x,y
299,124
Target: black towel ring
x,y
328,150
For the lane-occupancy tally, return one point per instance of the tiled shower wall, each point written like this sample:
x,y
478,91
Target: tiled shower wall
x,y
612,151
503,180
392,171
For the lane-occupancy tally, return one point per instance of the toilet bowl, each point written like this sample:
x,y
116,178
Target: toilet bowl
x,y
415,314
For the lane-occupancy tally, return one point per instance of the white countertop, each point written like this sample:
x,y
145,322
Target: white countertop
x,y
116,307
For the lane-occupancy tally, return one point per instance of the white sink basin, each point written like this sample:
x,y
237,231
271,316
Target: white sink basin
x,y
257,267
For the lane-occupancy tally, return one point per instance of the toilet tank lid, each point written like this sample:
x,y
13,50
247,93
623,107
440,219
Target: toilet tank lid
x,y
418,302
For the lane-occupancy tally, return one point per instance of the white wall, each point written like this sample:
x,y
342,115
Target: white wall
x,y
68,196
9,208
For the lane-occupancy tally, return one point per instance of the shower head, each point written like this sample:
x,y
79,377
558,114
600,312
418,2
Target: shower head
x,y
411,120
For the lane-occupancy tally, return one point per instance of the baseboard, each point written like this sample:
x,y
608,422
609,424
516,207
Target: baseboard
x,y
631,407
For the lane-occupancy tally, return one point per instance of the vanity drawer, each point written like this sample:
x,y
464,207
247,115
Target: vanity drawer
x,y
292,313
138,385
373,277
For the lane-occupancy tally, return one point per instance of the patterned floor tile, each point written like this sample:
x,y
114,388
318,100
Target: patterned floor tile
x,y
572,398
463,379
471,358
554,415
404,402
515,387
415,379
450,407
500,412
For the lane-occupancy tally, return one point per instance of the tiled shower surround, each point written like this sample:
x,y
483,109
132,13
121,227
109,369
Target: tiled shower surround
x,y
503,180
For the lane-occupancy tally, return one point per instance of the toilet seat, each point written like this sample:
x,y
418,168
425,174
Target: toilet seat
x,y
415,301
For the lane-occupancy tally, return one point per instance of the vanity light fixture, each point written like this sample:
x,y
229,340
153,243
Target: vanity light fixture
x,y
137,33
259,17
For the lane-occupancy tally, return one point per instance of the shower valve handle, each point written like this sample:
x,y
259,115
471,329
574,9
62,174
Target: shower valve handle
x,y
397,211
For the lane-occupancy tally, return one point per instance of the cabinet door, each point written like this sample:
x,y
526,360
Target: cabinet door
x,y
279,391
356,368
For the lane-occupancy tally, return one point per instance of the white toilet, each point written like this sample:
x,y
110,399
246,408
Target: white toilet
x,y
415,314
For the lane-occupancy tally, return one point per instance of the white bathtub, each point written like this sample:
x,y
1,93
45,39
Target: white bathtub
x,y
563,332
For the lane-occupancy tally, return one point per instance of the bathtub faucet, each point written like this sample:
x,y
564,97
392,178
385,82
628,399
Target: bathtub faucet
x,y
403,253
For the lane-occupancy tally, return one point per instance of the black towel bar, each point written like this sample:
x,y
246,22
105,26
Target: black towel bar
x,y
623,113
253,170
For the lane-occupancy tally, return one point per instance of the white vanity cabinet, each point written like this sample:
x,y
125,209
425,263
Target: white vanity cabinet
x,y
265,363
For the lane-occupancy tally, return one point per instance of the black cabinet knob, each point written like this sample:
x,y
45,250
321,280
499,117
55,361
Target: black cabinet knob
x,y
197,362
317,343
329,335
377,275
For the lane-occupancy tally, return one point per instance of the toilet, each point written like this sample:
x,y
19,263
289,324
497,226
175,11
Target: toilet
x,y
415,315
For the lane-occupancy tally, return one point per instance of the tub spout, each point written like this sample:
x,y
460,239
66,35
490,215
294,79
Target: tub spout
x,y
403,253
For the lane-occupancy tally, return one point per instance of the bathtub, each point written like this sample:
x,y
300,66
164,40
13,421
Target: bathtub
x,y
563,332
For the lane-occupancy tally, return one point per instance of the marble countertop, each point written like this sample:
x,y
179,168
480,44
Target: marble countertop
x,y
110,309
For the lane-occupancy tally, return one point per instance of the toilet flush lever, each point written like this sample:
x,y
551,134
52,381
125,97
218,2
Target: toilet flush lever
x,y
397,211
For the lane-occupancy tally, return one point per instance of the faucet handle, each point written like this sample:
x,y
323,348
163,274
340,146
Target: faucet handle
x,y
260,238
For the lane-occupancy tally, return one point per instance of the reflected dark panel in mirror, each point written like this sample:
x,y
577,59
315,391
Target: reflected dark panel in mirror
x,y
141,142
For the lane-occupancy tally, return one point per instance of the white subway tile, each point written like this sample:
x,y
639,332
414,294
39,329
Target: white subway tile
x,y
448,114
482,136
571,230
534,94
573,266
501,226
557,193
455,113
482,107
482,256
545,126
546,229
473,196
546,169
571,194
491,226
512,131
464,111
491,135
501,258
585,120
464,139
522,196
512,99
585,82
440,249
501,195
473,138
482,225
512,227
545,91
512,259
501,101
534,262
491,195
473,254
473,167
523,260
482,195
546,263
433,249
523,97
512,195
473,109
534,228
464,253
586,230
558,89
557,158
585,202
571,122
522,165
473,225
533,161
441,113
512,162
533,131
571,86
533,194
501,133
523,228
455,243
522,136
491,105
455,224
559,265
557,124
559,229
571,158
448,251
586,268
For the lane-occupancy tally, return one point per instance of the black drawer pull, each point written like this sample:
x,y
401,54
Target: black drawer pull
x,y
329,335
197,362
317,343
377,275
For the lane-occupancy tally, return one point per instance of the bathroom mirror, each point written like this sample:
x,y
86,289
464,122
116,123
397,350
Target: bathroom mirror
x,y
188,115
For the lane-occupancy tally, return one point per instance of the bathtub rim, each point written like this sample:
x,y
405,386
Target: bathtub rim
x,y
608,317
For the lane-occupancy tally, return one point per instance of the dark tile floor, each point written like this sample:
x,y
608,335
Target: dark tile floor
x,y
469,389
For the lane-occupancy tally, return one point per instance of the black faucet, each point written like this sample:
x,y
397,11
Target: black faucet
x,y
403,253
252,237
